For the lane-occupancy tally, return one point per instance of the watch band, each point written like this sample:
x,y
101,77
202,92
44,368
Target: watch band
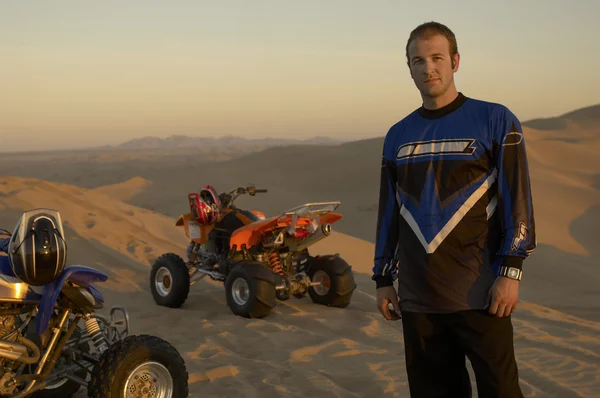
x,y
511,272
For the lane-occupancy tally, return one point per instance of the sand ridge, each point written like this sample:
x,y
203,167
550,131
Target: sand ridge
x,y
137,233
125,190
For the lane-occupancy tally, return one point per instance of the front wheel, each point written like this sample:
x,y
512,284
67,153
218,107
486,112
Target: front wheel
x,y
140,366
336,281
169,281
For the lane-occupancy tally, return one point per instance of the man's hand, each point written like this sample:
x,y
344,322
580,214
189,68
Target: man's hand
x,y
385,296
504,295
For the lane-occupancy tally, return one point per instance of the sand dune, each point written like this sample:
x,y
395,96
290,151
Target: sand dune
x,y
563,175
302,349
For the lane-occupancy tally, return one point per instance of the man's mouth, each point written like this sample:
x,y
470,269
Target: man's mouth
x,y
431,80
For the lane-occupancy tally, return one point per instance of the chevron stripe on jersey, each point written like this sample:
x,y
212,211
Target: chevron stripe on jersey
x,y
430,220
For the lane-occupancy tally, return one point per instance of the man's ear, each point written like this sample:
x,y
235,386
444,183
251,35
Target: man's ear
x,y
455,62
410,72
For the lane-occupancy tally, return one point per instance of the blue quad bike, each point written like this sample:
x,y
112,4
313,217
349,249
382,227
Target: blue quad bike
x,y
53,342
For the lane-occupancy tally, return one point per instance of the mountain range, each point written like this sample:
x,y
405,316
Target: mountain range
x,y
182,141
587,117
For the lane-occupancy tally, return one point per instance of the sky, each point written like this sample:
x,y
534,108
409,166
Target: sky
x,y
82,73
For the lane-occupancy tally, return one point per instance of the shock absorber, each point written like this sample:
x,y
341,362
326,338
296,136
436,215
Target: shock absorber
x,y
275,264
96,335
192,252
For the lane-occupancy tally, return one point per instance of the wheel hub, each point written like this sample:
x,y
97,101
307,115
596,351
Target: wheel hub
x,y
240,291
163,281
324,283
149,380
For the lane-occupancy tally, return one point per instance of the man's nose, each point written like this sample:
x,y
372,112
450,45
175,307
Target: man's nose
x,y
429,67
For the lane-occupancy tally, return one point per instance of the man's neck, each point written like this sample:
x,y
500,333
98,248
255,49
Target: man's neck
x,y
433,103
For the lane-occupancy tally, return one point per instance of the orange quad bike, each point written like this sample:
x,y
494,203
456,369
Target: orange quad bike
x,y
260,260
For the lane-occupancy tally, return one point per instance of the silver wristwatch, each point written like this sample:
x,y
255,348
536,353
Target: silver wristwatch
x,y
511,272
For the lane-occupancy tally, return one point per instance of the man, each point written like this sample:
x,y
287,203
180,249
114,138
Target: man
x,y
455,223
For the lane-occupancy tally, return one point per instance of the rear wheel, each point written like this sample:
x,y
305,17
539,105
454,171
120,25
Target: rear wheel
x,y
336,281
250,290
169,281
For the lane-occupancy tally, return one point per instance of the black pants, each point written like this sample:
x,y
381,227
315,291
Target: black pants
x,y
436,347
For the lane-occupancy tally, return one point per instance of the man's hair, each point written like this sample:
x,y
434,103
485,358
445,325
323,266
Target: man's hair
x,y
429,29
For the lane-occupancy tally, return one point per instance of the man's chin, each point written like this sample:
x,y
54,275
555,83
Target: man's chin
x,y
432,91
427,92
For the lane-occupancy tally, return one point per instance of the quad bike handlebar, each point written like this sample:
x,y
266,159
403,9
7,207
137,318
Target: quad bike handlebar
x,y
227,198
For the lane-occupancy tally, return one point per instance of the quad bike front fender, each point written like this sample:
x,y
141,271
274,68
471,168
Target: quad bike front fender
x,y
193,231
79,274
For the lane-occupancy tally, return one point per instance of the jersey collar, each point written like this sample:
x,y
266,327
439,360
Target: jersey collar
x,y
446,110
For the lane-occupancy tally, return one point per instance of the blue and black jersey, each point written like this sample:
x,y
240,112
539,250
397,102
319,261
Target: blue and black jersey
x,y
455,205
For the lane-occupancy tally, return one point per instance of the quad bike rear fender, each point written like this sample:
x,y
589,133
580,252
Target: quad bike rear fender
x,y
251,234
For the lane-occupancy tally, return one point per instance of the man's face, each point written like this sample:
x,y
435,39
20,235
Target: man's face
x,y
431,65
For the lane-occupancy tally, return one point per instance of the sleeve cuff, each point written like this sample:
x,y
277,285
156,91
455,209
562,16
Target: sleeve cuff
x,y
512,261
383,281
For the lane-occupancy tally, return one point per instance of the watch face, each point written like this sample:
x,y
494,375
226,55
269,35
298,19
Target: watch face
x,y
513,273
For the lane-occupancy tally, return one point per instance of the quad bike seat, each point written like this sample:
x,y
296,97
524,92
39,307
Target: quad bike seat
x,y
235,218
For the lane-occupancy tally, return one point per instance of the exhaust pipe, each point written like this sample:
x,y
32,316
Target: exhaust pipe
x,y
321,233
18,352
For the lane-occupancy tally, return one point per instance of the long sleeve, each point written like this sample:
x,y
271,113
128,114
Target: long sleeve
x,y
384,270
4,244
514,194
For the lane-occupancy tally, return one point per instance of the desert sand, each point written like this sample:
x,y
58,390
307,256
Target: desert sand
x,y
305,350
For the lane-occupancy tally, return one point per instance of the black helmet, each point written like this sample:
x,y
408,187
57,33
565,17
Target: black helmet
x,y
37,249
